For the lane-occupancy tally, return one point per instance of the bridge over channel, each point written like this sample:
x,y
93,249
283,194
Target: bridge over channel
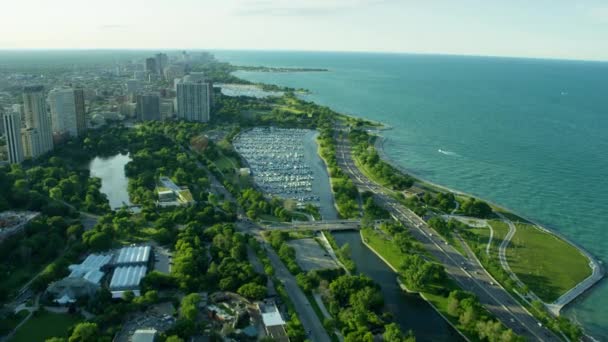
x,y
329,225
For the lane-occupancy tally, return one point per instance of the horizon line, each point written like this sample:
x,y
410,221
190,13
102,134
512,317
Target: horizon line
x,y
312,51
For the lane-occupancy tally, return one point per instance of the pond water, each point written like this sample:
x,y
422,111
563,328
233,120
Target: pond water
x,y
114,182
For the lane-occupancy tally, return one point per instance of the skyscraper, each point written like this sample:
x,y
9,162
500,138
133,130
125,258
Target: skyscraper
x,y
63,111
151,66
12,127
193,100
37,119
161,62
148,107
30,138
81,121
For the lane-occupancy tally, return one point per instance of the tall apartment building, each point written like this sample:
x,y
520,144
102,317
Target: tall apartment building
x,y
161,62
193,100
12,128
63,111
148,107
81,120
37,120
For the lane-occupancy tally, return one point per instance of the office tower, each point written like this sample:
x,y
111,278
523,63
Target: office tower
x,y
151,66
81,120
12,127
63,111
161,62
37,119
193,100
148,107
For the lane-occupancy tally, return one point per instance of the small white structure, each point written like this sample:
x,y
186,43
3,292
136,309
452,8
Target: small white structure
x,y
144,335
273,322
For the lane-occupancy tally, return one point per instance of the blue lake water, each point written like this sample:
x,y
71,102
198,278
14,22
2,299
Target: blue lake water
x,y
530,135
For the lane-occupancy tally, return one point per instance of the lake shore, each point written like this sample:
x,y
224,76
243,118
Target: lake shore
x,y
598,271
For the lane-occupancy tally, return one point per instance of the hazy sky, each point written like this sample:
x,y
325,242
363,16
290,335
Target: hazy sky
x,y
533,28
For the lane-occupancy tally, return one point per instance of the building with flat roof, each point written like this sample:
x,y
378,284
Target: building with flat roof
x,y
144,335
148,107
37,118
133,255
169,194
127,278
273,322
193,100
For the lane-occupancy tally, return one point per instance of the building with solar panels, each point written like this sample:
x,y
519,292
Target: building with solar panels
x,y
131,265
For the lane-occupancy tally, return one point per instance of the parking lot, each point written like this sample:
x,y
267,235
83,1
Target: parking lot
x,y
158,317
311,256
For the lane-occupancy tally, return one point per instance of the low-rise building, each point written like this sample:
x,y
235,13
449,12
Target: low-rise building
x,y
131,265
170,195
273,321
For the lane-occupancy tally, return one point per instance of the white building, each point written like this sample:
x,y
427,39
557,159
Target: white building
x,y
12,130
63,111
131,267
36,118
193,99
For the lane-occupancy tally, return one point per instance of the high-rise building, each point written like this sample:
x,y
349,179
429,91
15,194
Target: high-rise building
x,y
193,100
148,107
12,127
30,138
63,111
161,62
81,120
36,118
151,66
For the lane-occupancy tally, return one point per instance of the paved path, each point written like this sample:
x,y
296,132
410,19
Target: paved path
x,y
305,312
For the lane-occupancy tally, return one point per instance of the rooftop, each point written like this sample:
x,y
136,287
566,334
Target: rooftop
x,y
133,255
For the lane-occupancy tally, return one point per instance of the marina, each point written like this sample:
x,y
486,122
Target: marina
x,y
284,163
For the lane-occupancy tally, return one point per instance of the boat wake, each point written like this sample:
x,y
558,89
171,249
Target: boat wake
x,y
448,153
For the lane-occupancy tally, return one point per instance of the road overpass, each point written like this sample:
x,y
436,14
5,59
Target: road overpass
x,y
329,225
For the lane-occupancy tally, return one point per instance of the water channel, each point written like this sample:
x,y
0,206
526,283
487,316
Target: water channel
x,y
410,311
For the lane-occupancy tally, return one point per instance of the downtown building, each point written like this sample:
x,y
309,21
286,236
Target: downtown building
x,y
37,137
67,112
148,107
194,99
12,130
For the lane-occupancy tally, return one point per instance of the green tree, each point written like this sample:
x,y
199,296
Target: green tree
x,y
85,332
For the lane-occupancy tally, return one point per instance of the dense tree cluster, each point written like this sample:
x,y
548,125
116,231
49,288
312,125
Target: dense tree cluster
x,y
443,201
419,273
345,191
476,208
474,318
365,152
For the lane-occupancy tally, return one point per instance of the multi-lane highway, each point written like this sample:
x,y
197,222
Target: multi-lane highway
x,y
468,273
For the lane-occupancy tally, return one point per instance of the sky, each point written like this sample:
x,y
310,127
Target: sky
x,y
569,29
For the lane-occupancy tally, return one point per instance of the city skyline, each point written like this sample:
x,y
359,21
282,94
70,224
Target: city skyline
x,y
543,29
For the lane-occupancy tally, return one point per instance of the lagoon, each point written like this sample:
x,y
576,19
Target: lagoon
x,y
114,182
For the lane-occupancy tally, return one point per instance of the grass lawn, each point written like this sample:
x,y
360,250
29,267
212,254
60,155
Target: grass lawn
x,y
548,265
10,322
391,253
225,163
45,325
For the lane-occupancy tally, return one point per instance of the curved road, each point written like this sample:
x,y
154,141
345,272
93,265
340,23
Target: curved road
x,y
470,276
